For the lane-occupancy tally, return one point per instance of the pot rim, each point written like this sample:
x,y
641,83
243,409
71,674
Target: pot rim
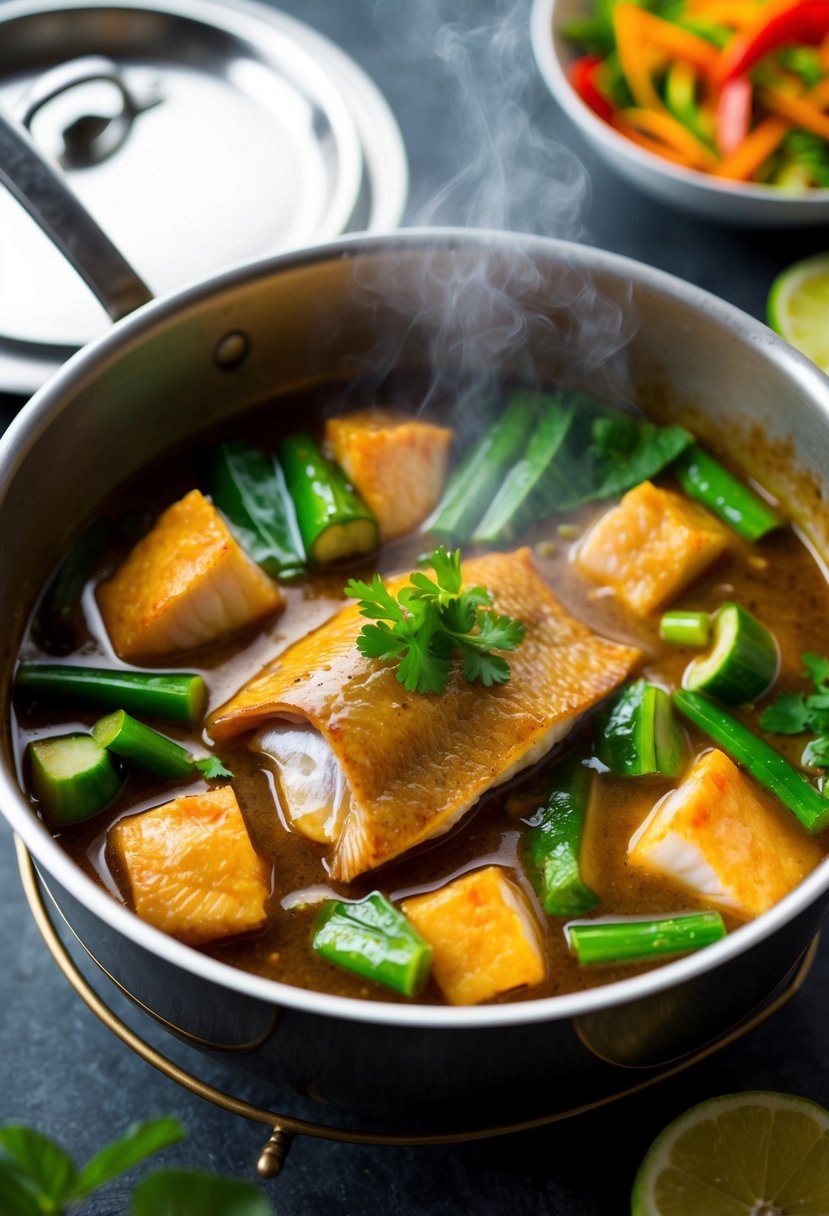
x,y
53,398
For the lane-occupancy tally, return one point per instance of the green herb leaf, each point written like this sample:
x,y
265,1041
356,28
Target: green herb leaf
x,y
211,768
40,1162
430,622
788,715
816,669
192,1193
16,1198
816,752
141,1140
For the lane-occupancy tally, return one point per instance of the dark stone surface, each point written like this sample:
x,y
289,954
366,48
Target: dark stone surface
x,y
62,1071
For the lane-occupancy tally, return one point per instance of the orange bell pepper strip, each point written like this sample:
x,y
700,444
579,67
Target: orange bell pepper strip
x,y
800,111
679,43
661,133
757,147
736,14
633,56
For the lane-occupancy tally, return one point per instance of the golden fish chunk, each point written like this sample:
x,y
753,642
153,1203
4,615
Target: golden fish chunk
x,y
484,937
718,837
414,764
191,868
397,464
186,583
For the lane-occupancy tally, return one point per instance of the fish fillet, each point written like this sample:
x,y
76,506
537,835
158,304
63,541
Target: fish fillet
x,y
415,763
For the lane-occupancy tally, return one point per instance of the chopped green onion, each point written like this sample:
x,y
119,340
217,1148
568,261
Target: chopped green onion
x,y
639,734
553,841
472,485
626,941
173,696
704,479
759,758
334,522
511,508
680,628
140,744
743,662
374,939
73,777
249,489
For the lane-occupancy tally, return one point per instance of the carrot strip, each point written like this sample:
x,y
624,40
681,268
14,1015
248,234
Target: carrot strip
x,y
800,111
665,134
756,148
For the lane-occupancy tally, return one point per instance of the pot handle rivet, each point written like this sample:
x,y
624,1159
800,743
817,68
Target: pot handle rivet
x,y
231,350
272,1157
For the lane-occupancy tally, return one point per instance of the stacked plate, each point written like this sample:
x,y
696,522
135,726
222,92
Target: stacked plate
x,y
200,134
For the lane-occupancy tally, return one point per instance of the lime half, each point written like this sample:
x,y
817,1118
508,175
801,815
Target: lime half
x,y
749,1154
798,307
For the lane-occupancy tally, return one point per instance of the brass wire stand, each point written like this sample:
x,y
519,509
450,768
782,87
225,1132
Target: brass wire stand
x,y
284,1128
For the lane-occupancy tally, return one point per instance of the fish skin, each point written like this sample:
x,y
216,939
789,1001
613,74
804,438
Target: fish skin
x,y
186,583
415,763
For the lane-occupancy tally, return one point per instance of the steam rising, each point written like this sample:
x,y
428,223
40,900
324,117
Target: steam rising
x,y
493,313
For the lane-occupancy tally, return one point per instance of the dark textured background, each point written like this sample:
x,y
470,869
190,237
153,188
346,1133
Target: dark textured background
x,y
63,1072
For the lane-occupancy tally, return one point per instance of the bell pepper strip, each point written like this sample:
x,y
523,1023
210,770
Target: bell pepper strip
x,y
583,79
805,22
678,42
634,58
824,53
734,114
736,14
662,133
800,111
754,151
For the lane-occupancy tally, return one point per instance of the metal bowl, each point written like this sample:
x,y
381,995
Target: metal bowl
x,y
738,203
544,311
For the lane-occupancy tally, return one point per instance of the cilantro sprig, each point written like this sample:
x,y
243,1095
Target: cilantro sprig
x,y
793,713
432,623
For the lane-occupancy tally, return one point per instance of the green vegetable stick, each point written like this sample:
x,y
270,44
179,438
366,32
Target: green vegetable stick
x,y
472,484
511,508
553,842
173,696
743,662
639,940
704,479
639,734
55,623
793,788
680,628
249,488
334,522
372,938
140,744
73,777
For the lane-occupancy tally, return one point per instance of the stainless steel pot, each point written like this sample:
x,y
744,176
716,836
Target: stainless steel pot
x,y
540,308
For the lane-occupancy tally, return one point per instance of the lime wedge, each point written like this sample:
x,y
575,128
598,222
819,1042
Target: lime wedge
x,y
749,1154
798,307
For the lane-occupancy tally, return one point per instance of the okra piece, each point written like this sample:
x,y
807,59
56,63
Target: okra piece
x,y
759,758
73,777
628,941
704,479
639,734
56,622
511,509
333,520
372,938
743,662
249,489
680,628
141,745
173,696
471,486
553,842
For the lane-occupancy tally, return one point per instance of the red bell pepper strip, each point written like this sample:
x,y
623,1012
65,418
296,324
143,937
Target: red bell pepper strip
x,y
583,79
733,114
805,22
